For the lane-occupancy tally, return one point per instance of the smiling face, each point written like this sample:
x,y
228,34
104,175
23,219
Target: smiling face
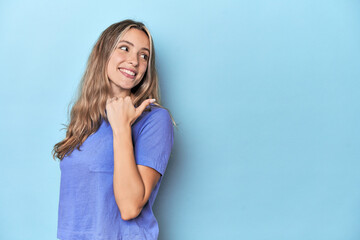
x,y
128,62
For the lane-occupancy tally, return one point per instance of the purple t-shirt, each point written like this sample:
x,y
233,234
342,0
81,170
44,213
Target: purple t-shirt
x,y
87,207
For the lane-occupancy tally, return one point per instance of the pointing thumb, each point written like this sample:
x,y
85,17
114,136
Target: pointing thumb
x,y
144,104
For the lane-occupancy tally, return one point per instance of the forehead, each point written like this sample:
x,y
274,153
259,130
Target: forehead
x,y
137,37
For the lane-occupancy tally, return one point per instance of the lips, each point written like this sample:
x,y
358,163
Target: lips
x,y
128,73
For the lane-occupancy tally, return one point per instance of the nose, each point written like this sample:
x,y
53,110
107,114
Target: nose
x,y
133,59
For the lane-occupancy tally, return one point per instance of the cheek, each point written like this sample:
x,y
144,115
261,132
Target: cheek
x,y
143,71
143,67
143,74
110,65
117,58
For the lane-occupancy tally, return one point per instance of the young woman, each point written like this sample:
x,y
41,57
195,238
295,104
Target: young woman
x,y
117,144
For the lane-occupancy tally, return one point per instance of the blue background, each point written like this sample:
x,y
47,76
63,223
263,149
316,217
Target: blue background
x,y
266,95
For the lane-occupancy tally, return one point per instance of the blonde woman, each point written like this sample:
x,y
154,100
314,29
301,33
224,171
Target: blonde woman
x,y
117,144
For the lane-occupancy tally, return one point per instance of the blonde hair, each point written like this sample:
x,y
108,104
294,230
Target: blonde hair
x,y
94,88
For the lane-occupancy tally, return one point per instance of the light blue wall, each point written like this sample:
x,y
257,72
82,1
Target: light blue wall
x,y
266,95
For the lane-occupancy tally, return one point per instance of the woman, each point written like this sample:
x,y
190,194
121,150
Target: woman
x,y
117,144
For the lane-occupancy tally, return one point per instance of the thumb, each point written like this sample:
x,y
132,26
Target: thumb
x,y
144,104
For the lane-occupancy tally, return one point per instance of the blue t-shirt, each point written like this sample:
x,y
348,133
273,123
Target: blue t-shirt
x,y
87,207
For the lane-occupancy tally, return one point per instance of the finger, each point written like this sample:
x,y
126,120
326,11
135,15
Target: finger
x,y
110,100
127,99
144,104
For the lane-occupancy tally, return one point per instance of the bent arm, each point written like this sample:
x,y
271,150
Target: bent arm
x,y
132,185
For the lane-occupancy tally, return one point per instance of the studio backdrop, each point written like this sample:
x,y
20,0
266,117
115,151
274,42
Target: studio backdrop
x,y
266,95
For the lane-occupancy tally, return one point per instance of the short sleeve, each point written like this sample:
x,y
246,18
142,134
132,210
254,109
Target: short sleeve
x,y
155,141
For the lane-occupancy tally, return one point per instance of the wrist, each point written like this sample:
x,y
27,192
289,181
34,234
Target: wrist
x,y
122,129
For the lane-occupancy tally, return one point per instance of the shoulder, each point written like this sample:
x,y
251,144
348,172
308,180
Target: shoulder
x,y
154,125
156,119
157,113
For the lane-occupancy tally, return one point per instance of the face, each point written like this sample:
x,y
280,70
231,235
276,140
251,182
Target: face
x,y
128,62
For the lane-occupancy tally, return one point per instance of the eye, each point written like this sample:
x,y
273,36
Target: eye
x,y
146,57
124,48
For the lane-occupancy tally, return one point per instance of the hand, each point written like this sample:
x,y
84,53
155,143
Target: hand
x,y
121,111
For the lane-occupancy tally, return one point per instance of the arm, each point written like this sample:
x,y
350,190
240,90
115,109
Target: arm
x,y
133,183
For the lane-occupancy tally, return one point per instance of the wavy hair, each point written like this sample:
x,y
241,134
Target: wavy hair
x,y
94,88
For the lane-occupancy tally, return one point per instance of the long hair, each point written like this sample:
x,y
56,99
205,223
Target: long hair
x,y
94,88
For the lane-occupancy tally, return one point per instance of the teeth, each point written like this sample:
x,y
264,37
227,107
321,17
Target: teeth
x,y
128,72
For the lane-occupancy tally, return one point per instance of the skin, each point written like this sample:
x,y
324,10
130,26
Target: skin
x,y
132,183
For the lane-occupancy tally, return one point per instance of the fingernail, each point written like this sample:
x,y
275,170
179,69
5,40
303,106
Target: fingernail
x,y
152,100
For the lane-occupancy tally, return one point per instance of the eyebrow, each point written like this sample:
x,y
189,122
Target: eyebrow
x,y
133,45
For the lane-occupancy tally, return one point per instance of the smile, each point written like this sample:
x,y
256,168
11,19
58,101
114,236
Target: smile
x,y
127,73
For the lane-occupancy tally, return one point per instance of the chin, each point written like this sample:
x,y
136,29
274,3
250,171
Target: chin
x,y
126,84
